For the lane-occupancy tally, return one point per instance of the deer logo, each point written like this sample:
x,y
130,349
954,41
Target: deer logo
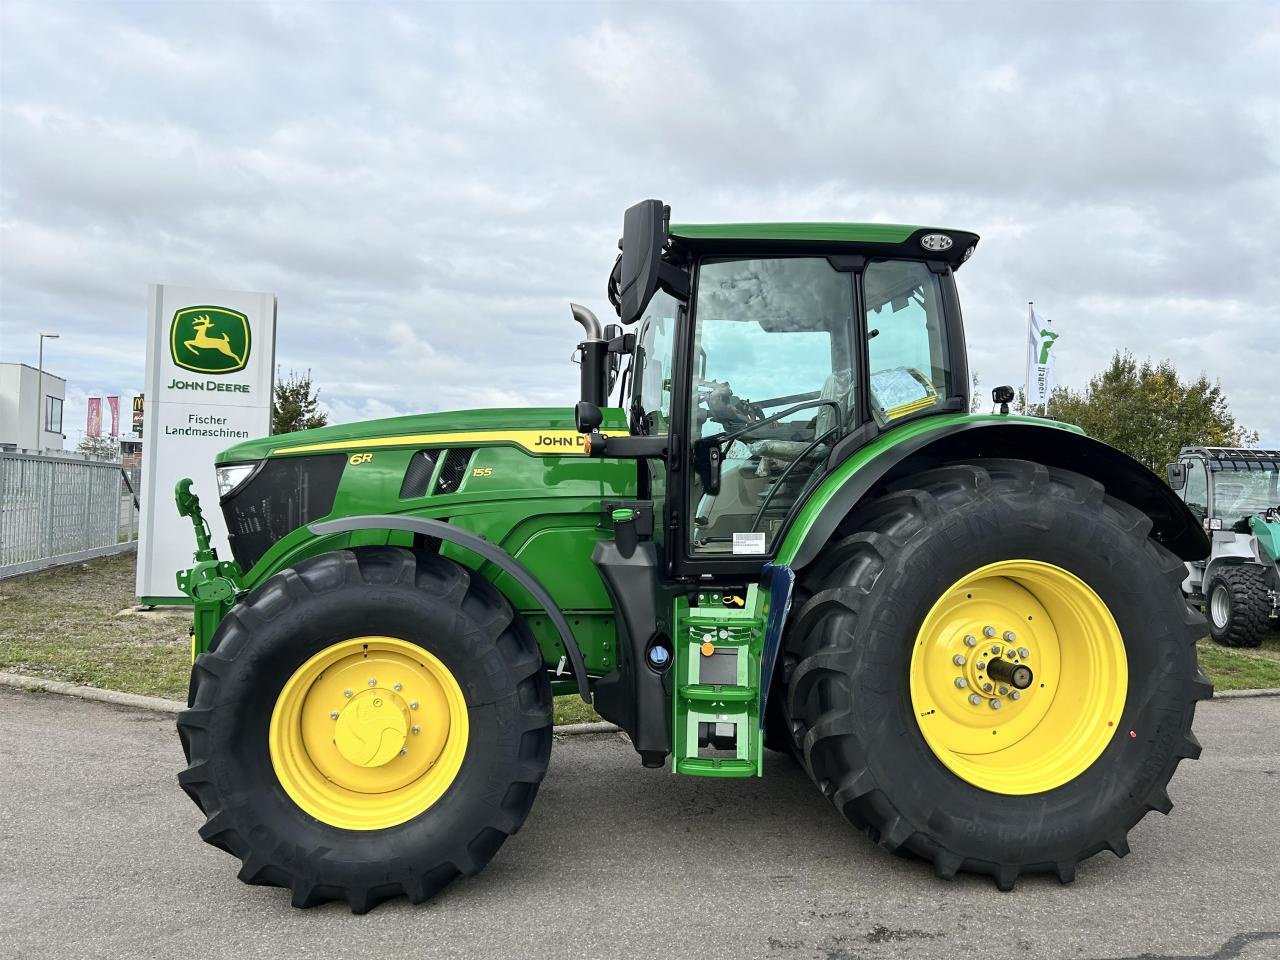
x,y
210,339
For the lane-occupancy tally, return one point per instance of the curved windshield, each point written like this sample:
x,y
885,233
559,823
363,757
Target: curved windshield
x,y
1239,494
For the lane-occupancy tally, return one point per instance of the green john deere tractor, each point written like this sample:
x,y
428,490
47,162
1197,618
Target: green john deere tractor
x,y
784,531
1235,494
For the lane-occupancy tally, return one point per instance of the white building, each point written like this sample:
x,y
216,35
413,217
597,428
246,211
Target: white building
x,y
22,393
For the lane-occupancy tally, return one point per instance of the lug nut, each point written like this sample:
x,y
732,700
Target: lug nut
x,y
396,687
347,694
404,752
1003,691
995,649
971,641
1015,695
416,728
975,699
1009,636
373,682
961,683
988,632
982,664
986,687
958,660
413,704
333,714
995,704
1023,652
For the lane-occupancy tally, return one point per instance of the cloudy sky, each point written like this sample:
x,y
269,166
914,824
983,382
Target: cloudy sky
x,y
426,186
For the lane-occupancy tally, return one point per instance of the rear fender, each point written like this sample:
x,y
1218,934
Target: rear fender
x,y
976,438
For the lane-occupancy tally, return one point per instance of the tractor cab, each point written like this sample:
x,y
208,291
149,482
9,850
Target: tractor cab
x,y
770,353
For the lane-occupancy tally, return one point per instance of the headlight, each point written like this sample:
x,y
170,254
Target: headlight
x,y
232,475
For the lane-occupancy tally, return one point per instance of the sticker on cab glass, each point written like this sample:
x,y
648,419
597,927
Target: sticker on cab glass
x,y
748,543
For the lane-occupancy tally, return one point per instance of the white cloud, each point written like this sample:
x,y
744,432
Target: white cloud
x,y
425,186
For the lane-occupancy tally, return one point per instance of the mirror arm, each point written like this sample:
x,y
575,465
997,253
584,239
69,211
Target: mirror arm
x,y
673,279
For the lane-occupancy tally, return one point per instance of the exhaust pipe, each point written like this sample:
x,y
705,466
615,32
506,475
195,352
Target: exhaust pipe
x,y
587,319
595,357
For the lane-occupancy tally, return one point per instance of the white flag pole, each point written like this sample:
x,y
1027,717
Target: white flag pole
x,y
1031,333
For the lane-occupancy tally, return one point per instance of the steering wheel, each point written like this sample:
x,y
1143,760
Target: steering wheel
x,y
724,407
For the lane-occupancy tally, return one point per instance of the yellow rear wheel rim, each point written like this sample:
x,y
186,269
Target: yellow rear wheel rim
x,y
984,729
368,733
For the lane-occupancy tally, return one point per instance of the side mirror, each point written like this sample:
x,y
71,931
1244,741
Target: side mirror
x,y
644,230
587,417
1177,475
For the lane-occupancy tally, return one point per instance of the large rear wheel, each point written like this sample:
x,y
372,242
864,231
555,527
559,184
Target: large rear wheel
x,y
994,669
368,724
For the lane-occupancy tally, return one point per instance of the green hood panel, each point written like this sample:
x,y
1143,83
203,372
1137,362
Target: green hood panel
x,y
388,432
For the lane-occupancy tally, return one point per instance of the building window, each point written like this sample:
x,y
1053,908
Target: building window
x,y
53,414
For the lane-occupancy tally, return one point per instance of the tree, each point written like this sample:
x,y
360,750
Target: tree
x,y
99,448
296,404
1149,412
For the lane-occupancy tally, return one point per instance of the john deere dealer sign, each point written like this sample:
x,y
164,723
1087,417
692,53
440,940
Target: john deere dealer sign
x,y
210,361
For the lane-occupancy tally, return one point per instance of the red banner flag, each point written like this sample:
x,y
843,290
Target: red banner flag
x,y
94,427
114,404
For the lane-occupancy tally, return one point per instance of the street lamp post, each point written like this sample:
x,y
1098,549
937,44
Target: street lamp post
x,y
40,388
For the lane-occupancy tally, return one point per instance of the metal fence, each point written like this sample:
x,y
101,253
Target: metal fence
x,y
61,510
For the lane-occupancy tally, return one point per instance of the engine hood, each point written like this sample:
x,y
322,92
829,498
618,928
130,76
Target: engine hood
x,y
412,428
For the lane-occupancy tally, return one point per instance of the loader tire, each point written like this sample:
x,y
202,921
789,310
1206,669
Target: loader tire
x,y
1237,605
938,567
368,724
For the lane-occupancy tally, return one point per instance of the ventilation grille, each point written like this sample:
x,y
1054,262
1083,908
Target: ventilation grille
x,y
285,494
454,469
418,475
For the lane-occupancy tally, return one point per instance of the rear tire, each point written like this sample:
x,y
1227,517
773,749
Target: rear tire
x,y
1237,605
849,668
231,733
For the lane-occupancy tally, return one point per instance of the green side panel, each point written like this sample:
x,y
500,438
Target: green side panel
x,y
1268,536
720,688
835,232
834,481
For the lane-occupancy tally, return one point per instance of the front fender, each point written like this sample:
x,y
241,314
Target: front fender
x,y
482,548
924,443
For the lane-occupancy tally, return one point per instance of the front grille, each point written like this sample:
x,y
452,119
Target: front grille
x,y
282,496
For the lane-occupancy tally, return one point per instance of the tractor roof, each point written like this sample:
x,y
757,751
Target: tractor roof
x,y
872,239
1234,458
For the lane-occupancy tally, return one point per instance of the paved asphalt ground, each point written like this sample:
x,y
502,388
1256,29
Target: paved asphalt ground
x,y
99,858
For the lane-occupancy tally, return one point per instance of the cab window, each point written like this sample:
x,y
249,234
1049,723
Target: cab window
x,y
651,375
772,386
906,339
1196,492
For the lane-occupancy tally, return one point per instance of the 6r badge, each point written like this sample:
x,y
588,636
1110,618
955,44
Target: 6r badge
x,y
209,339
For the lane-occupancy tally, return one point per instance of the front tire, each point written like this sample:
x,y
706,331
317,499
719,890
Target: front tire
x,y
1237,605
881,722
368,724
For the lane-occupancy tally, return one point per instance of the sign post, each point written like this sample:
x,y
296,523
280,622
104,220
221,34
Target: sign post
x,y
210,377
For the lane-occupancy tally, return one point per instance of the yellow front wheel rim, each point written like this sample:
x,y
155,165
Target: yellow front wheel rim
x,y
368,733
1018,614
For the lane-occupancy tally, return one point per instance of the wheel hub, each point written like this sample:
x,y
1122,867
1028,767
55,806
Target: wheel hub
x,y
372,728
